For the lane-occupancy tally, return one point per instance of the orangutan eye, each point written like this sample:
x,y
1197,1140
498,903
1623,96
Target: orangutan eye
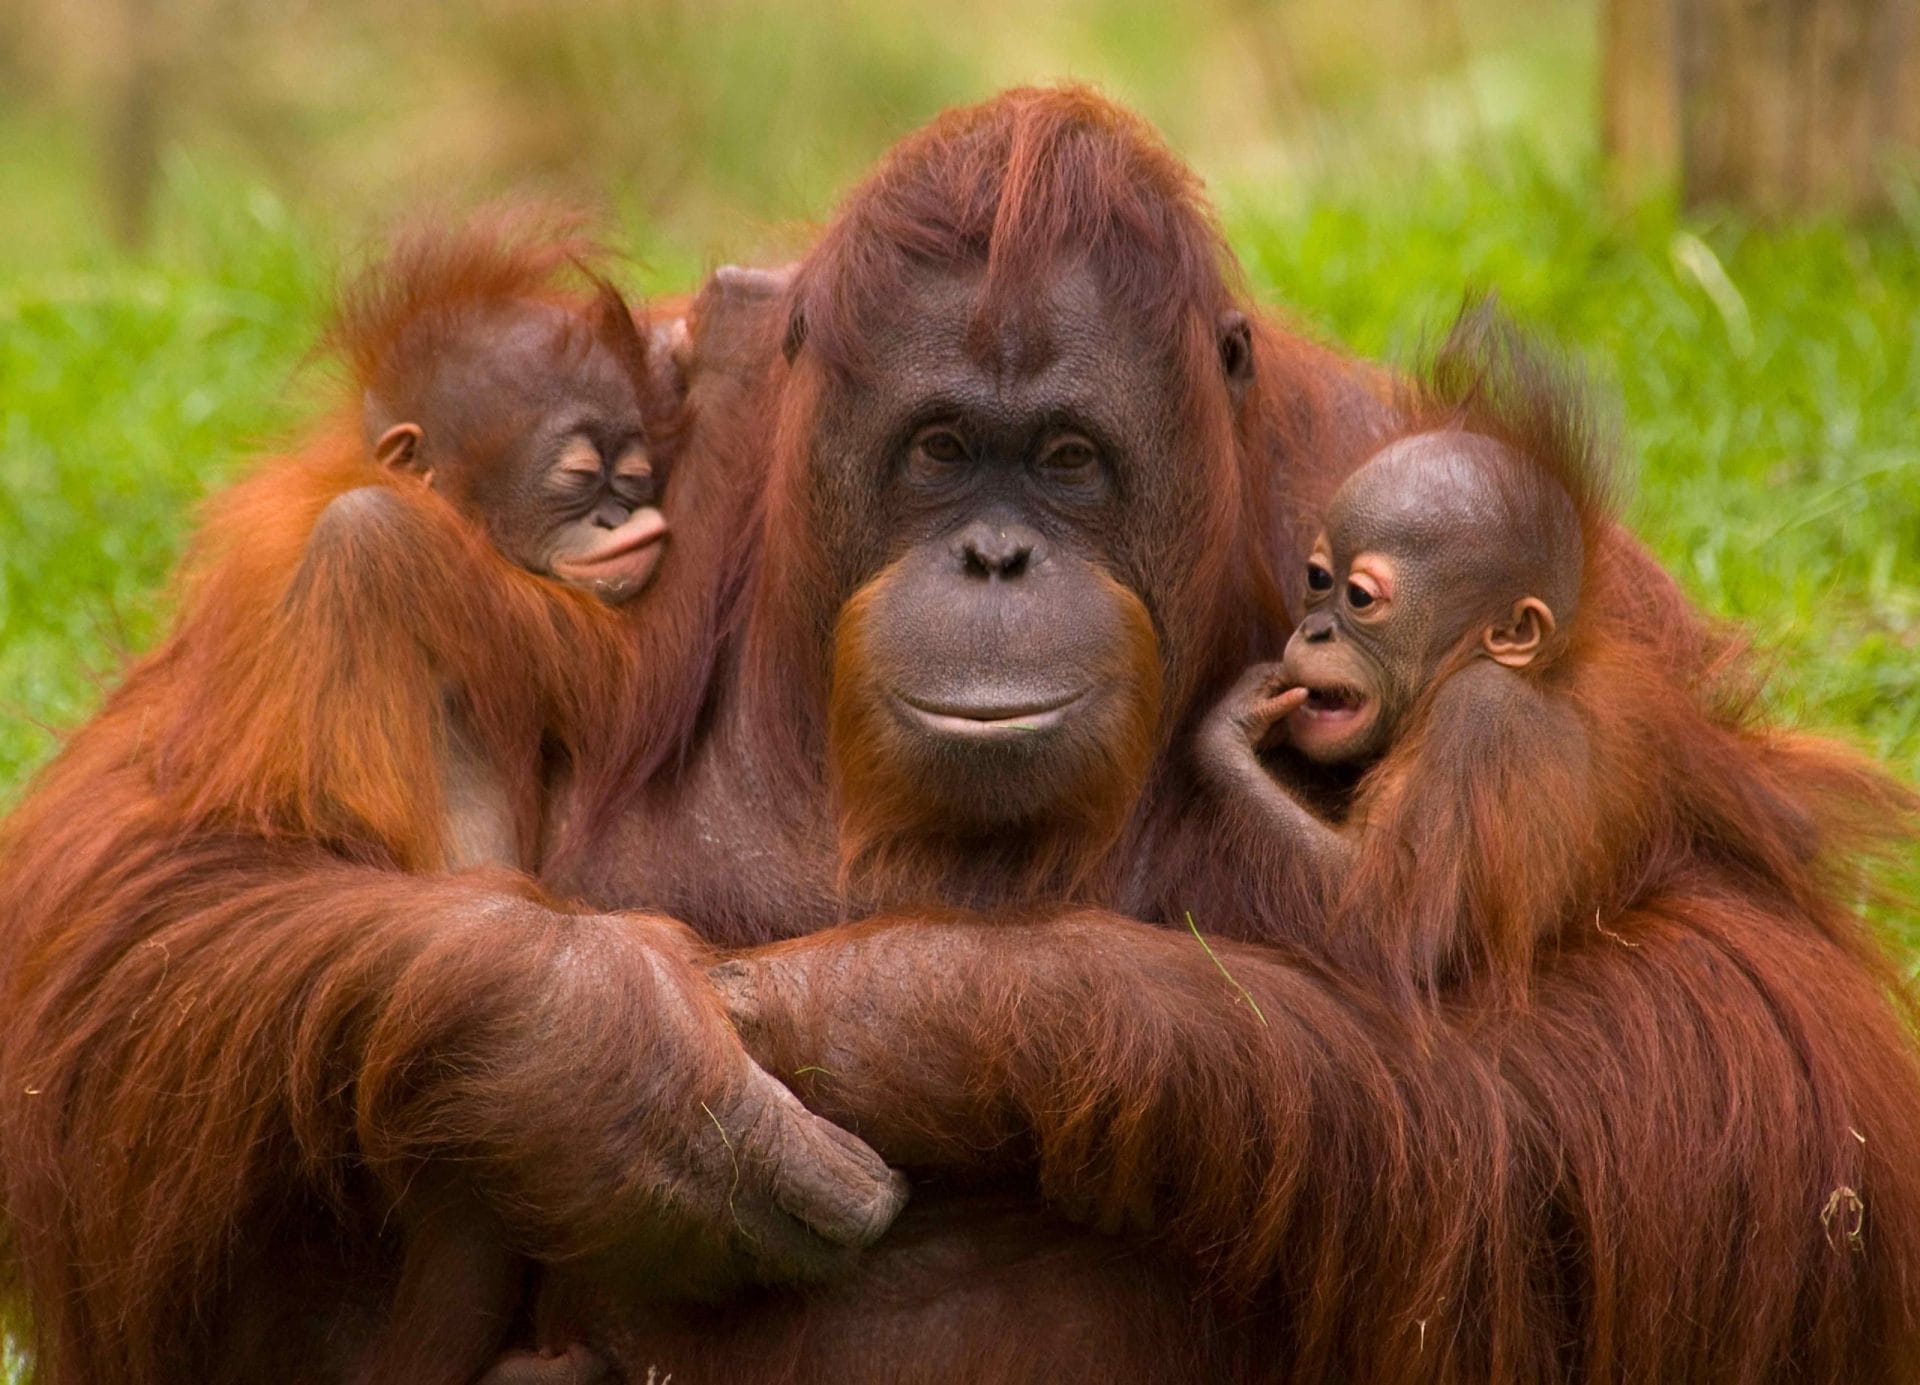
x,y
1070,457
569,480
576,468
1358,596
940,445
631,459
1319,578
635,487
937,457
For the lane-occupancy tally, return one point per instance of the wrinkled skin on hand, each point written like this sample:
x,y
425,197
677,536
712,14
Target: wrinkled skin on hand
x,y
708,1166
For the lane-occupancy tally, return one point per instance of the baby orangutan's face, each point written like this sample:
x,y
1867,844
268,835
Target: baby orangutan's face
x,y
1341,656
1409,568
535,430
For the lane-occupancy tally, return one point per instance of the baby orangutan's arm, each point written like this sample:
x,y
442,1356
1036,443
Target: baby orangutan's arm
x,y
1229,754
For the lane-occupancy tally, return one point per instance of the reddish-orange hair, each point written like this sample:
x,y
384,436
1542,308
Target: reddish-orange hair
x,y
437,286
1021,189
301,695
1033,181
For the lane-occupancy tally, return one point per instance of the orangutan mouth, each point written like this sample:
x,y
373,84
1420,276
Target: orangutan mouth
x,y
991,719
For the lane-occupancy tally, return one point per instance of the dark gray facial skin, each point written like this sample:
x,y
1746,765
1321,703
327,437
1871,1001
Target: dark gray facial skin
x,y
1418,554
996,508
534,428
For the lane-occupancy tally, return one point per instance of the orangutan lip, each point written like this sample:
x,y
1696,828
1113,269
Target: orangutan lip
x,y
1328,708
642,536
1334,701
614,554
991,721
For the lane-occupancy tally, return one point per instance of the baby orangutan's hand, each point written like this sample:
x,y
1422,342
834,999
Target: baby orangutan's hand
x,y
1267,714
1256,704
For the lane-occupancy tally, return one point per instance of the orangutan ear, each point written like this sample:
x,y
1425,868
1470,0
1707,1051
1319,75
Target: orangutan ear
x,y
1235,339
1518,641
398,449
796,336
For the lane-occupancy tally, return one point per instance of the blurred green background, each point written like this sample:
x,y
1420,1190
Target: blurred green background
x,y
182,181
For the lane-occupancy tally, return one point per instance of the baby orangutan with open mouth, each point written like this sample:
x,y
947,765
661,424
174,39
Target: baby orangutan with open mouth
x,y
1449,571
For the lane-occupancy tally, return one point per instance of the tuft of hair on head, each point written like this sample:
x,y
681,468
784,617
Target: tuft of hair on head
x,y
1492,379
1018,185
441,276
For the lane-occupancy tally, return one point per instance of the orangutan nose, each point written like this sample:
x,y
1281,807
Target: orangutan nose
x,y
1317,628
994,550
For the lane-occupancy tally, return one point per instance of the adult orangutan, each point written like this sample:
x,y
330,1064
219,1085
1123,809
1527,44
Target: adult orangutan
x,y
1662,1125
1033,470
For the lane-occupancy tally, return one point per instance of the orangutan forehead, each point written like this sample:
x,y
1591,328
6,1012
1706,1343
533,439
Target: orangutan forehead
x,y
515,356
959,311
1471,510
1425,488
1067,359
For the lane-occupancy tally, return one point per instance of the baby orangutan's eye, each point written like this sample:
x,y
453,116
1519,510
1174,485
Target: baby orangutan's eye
x,y
1319,578
633,478
1369,587
575,470
575,480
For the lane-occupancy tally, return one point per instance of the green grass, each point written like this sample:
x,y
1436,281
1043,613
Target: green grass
x,y
126,393
1770,381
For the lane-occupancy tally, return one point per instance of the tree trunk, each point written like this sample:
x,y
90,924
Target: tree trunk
x,y
131,157
1640,93
1778,105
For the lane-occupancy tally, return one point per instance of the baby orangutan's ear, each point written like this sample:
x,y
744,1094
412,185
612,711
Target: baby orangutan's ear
x,y
1518,641
398,449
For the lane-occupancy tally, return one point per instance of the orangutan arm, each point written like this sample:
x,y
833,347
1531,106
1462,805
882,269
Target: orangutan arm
x,y
1147,1079
197,1029
1260,810
1288,1127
